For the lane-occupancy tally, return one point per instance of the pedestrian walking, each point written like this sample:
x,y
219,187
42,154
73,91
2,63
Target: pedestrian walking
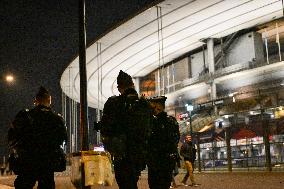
x,y
125,128
35,138
162,146
188,152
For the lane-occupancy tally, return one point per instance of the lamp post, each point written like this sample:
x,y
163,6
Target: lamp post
x,y
84,128
189,108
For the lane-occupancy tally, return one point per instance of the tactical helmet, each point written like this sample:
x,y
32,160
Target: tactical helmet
x,y
124,80
42,93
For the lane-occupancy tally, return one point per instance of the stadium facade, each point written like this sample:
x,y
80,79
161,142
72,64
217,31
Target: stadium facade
x,y
222,58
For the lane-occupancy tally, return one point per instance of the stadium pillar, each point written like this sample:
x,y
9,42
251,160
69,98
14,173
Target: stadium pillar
x,y
211,66
211,58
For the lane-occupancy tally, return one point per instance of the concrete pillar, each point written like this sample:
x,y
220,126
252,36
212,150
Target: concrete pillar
x,y
210,53
213,91
211,66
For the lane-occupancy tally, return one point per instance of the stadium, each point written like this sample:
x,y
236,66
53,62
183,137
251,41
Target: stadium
x,y
218,62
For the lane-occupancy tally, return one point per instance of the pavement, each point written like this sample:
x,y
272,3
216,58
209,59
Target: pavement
x,y
240,180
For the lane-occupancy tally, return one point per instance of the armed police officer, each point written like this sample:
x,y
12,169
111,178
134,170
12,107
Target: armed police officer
x,y
124,131
36,136
162,146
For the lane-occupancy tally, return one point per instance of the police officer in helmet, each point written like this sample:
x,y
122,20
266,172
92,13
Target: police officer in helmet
x,y
115,134
36,134
162,146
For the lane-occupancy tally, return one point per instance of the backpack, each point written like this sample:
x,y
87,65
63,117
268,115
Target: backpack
x,y
138,121
128,133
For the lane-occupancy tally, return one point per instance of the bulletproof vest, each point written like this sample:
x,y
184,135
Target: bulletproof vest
x,y
126,125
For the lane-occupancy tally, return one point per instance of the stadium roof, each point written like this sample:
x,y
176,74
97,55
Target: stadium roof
x,y
134,46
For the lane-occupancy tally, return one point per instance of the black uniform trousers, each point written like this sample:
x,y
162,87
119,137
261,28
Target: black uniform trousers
x,y
127,173
160,173
28,180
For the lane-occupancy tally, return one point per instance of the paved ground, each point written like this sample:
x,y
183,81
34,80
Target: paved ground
x,y
248,180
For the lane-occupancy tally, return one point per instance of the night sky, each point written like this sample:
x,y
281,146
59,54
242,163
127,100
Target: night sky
x,y
38,39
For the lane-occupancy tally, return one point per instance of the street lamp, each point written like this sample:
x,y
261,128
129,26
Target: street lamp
x,y
9,78
189,108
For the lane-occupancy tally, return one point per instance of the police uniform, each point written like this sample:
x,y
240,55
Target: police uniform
x,y
127,169
39,133
162,149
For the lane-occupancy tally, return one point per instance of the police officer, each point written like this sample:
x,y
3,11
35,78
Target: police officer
x,y
115,137
36,135
162,146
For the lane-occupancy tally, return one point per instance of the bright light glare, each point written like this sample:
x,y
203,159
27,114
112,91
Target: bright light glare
x,y
272,116
99,149
189,107
9,78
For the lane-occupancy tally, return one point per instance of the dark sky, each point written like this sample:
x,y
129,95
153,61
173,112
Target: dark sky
x,y
38,39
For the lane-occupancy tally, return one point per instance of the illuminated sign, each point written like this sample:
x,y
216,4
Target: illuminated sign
x,y
184,115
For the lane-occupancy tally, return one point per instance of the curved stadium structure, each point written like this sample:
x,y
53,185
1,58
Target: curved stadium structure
x,y
223,57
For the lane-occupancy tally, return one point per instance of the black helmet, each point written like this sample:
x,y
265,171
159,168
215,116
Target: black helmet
x,y
124,80
42,93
